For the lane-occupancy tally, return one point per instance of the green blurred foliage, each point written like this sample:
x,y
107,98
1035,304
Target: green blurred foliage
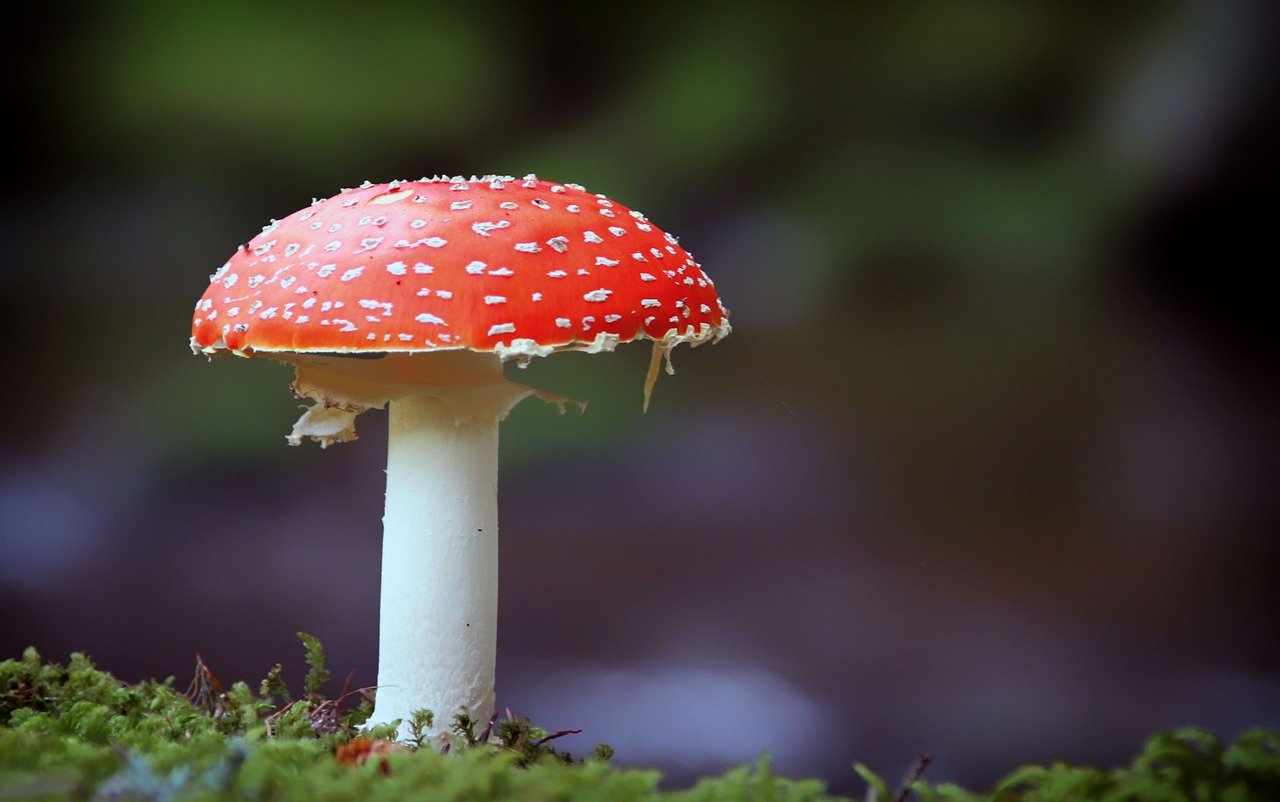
x,y
308,84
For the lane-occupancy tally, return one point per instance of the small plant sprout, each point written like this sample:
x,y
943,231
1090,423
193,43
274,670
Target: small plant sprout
x,y
411,295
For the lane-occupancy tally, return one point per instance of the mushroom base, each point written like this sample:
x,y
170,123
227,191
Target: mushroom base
x,y
439,613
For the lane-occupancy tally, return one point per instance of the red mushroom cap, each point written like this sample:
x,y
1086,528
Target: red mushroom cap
x,y
517,267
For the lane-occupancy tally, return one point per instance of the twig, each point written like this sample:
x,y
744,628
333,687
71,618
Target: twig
x,y
552,736
205,691
488,730
917,771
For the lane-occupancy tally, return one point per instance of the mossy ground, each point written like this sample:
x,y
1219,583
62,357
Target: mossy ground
x,y
74,732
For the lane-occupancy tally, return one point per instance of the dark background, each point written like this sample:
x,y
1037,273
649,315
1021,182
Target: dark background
x,y
988,466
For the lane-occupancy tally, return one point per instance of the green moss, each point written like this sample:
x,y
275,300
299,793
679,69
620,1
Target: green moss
x,y
76,733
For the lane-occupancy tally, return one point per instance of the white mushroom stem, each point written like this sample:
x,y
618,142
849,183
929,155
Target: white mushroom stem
x,y
438,626
438,623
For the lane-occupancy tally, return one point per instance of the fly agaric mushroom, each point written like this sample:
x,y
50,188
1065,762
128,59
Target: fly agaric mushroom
x,y
411,295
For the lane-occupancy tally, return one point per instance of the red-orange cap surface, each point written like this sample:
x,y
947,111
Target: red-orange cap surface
x,y
518,267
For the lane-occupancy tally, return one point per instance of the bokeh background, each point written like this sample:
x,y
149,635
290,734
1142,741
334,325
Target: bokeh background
x,y
988,466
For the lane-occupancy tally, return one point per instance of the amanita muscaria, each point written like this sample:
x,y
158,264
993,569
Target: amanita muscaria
x,y
411,295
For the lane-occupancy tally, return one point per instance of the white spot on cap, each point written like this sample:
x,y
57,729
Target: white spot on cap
x,y
559,244
353,273
564,322
617,231
502,271
501,328
422,268
607,213
598,295
537,296
418,224
508,205
490,300
528,247
639,257
476,268
258,250
431,242
326,270
445,294
657,254
230,280
573,208
557,273
333,246
606,261
649,303
397,268
612,318
540,203
254,281
392,197
591,236
310,302
483,228
648,277
458,206
426,317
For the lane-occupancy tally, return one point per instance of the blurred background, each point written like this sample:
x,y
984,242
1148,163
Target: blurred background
x,y
987,468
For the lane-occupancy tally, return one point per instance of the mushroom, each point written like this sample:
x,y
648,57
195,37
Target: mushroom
x,y
411,295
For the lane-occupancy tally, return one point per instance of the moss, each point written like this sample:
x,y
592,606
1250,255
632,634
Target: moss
x,y
76,733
